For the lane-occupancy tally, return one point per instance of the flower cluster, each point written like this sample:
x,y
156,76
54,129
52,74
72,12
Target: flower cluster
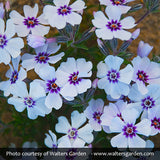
x,y
130,105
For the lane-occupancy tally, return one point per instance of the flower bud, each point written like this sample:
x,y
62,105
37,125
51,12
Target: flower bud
x,y
2,10
94,84
144,49
135,34
35,40
50,40
7,6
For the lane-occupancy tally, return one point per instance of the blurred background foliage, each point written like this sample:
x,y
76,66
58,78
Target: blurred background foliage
x,y
17,128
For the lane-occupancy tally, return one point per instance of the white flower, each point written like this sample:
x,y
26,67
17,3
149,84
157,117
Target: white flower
x,y
128,130
62,13
145,72
94,112
121,4
147,103
114,81
33,101
9,46
52,86
144,49
111,111
42,58
71,75
75,136
16,77
112,27
50,140
30,23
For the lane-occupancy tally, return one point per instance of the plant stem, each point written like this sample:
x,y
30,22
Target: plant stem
x,y
42,3
145,15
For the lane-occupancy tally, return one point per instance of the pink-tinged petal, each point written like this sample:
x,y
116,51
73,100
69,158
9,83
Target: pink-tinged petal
x,y
113,12
2,25
122,34
53,100
56,58
104,33
64,142
126,74
119,141
29,11
29,64
4,56
77,119
100,20
95,125
63,125
130,115
10,29
16,17
128,22
73,18
124,9
22,31
86,133
102,69
18,103
14,46
116,125
144,127
40,30
83,85
136,142
61,2
78,143
36,90
78,5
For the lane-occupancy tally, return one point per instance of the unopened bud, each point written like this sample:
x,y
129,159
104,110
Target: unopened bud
x,y
92,29
80,12
135,34
94,84
50,40
7,6
144,49
2,10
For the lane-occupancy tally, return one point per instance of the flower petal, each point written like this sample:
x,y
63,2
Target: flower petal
x,y
29,11
128,22
78,5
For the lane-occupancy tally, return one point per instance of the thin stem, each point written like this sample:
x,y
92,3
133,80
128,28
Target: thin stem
x,y
42,3
144,16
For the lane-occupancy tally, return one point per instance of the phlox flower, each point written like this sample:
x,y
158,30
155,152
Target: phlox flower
x,y
30,23
42,58
154,117
121,4
112,27
147,103
63,13
111,111
33,101
53,87
50,140
114,81
15,77
145,72
74,135
144,49
2,10
72,74
9,47
129,131
94,112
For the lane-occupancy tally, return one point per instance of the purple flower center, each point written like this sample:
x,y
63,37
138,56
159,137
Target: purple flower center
x,y
155,123
97,116
114,25
72,133
31,22
129,130
147,103
3,41
142,76
113,76
52,87
54,146
42,57
14,77
29,102
117,2
64,10
73,78
126,99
